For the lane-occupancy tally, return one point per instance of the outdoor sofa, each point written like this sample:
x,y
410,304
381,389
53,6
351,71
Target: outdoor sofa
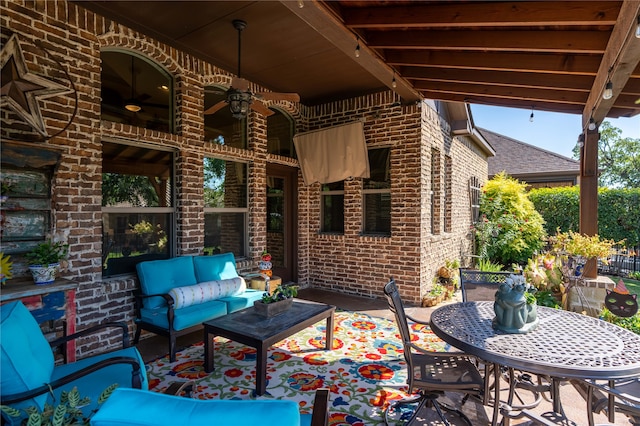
x,y
177,295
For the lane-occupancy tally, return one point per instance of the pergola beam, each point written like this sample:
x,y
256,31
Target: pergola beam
x,y
620,59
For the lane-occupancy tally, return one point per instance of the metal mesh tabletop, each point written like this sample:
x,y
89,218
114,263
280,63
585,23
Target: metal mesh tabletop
x,y
565,344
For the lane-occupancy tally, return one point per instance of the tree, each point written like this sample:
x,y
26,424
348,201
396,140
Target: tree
x,y
510,229
135,190
618,158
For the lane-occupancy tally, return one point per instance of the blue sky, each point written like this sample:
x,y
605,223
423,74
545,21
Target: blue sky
x,y
554,132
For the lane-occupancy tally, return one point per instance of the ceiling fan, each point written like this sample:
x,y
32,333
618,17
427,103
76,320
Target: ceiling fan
x,y
239,97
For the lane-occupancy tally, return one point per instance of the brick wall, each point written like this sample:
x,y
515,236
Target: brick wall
x,y
350,263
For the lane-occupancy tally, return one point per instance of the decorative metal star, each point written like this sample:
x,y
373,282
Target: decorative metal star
x,y
21,89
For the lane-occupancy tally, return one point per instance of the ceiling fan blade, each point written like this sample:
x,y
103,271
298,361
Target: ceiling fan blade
x,y
261,108
215,92
215,108
276,96
240,84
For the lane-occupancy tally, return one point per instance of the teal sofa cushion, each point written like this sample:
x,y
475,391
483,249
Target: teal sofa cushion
x,y
241,301
160,276
26,360
94,383
184,317
216,267
132,407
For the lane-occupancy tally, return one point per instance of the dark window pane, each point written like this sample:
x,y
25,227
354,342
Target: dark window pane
x,y
377,218
225,232
275,205
334,186
136,92
280,134
129,238
333,213
221,127
379,169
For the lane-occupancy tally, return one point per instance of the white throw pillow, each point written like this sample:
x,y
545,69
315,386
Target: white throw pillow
x,y
206,291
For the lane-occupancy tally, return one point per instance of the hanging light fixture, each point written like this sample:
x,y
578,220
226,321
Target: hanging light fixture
x,y
531,116
132,104
394,83
239,102
357,52
608,90
592,124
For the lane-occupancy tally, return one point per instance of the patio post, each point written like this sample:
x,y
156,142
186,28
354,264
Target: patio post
x,y
589,191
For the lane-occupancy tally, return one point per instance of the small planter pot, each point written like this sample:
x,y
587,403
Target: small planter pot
x,y
269,310
44,274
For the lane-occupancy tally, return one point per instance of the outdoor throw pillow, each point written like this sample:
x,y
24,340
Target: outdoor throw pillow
x,y
206,291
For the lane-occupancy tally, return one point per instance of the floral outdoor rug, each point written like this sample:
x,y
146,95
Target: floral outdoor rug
x,y
364,371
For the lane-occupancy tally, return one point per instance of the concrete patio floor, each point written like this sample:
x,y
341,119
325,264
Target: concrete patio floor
x,y
572,401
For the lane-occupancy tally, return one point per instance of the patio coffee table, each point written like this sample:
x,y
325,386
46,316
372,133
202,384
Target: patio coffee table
x,y
251,329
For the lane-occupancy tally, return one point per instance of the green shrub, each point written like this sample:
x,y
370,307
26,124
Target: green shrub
x,y
510,229
485,265
618,211
631,323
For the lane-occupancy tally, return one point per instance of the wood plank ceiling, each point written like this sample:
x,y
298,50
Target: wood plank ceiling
x,y
546,55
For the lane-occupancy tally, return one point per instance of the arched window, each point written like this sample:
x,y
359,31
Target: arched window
x,y
219,126
280,134
136,91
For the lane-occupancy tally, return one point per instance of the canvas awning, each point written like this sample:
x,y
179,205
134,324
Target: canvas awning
x,y
333,154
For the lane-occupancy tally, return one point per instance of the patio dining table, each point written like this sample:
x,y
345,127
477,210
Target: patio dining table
x,y
565,345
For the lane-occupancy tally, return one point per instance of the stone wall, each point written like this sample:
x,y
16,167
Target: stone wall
x,y
349,263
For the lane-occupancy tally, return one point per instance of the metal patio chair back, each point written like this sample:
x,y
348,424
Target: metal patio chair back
x,y
478,286
432,373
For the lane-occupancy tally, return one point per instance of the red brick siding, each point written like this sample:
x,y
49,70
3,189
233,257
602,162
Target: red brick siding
x,y
349,263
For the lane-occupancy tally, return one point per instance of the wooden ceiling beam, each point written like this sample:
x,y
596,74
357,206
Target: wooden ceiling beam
x,y
620,60
594,42
579,83
525,62
483,14
503,101
531,95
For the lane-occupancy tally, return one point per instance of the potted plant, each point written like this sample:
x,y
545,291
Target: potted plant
x,y
580,248
44,260
279,301
435,296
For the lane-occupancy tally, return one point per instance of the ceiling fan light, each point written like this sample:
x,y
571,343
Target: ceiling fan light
x,y
238,103
132,106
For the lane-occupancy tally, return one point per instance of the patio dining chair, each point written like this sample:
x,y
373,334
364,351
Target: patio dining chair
x,y
431,373
613,396
478,286
30,378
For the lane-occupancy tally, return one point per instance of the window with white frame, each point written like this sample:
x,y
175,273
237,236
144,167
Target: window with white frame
x,y
225,207
376,194
137,206
332,207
